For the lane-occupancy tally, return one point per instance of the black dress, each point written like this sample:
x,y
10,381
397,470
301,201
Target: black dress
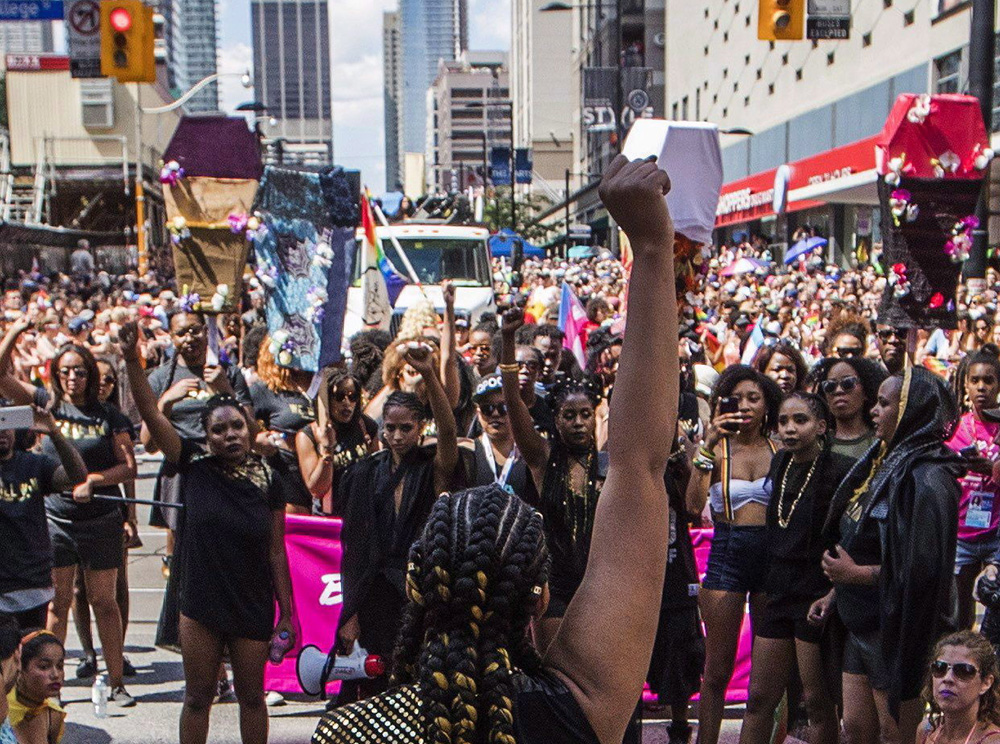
x,y
286,412
225,542
376,539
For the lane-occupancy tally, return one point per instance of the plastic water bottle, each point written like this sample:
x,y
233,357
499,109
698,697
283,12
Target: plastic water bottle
x,y
281,644
99,694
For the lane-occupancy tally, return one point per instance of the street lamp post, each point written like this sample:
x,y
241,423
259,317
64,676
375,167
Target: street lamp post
x,y
508,104
981,62
140,196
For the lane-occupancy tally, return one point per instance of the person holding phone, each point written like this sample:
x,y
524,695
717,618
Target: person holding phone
x,y
730,472
979,508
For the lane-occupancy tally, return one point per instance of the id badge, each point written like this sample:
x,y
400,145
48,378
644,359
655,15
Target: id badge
x,y
980,512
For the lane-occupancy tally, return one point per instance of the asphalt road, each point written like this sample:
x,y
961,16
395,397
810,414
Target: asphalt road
x,y
159,685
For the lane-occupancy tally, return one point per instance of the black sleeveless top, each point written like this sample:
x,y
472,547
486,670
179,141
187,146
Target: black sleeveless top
x,y
545,712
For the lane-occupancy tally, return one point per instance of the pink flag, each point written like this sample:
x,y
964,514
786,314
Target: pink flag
x,y
572,321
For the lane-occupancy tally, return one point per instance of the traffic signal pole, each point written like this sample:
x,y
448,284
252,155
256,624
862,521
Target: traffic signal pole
x,y
981,61
140,196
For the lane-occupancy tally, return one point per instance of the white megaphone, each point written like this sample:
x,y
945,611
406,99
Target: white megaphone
x,y
315,668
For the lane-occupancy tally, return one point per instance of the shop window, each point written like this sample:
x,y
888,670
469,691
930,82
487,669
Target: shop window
x,y
948,73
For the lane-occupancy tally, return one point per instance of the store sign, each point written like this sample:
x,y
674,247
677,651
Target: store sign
x,y
828,19
600,90
31,10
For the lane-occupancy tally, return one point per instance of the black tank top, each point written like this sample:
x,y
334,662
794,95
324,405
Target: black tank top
x,y
545,712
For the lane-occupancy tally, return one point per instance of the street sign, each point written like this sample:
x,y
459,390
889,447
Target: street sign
x,y
31,10
829,19
83,26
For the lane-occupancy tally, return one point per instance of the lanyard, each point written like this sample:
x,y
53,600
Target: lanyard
x,y
500,480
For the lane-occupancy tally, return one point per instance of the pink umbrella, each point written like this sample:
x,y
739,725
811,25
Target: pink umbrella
x,y
742,266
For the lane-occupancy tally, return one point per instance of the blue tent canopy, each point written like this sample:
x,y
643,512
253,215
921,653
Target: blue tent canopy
x,y
502,244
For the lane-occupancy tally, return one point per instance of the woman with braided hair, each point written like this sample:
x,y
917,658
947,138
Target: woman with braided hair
x,y
568,471
478,573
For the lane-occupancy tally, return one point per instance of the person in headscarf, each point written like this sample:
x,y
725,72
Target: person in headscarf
x,y
895,520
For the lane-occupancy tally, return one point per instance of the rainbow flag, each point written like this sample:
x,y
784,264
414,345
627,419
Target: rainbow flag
x,y
394,281
572,321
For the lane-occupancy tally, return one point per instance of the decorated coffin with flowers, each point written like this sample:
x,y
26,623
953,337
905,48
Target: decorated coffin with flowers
x,y
210,176
932,156
303,248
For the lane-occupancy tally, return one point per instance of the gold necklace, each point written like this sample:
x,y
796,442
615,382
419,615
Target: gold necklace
x,y
783,522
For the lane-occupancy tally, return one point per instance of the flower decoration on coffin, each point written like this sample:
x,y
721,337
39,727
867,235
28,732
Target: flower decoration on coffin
x,y
901,207
945,163
282,346
898,281
220,297
959,245
983,157
179,230
267,273
323,257
316,297
171,173
920,110
238,222
936,301
897,166
255,226
189,301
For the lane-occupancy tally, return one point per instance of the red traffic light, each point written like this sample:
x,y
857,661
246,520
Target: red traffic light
x,y
120,20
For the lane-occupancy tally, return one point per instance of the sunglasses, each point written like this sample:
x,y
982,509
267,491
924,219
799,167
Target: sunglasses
x,y
345,396
847,384
493,409
72,371
963,670
886,333
529,365
109,380
847,351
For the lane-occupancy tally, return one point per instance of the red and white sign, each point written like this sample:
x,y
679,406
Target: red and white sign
x,y
752,198
36,62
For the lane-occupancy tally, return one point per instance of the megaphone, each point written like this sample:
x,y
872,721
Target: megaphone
x,y
315,668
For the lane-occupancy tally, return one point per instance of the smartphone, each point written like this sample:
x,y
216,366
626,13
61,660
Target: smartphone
x,y
729,405
16,417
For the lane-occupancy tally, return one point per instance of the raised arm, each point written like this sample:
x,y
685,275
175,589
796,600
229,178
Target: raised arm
x,y
419,356
161,431
449,364
316,461
603,646
532,445
17,391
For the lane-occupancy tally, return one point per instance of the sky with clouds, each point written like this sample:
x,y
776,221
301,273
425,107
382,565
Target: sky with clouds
x,y
356,51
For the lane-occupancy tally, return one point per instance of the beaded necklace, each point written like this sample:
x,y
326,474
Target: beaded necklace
x,y
783,522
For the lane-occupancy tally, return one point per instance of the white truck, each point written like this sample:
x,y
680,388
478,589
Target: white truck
x,y
437,252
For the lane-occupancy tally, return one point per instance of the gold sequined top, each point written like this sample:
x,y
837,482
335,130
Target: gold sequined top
x,y
393,716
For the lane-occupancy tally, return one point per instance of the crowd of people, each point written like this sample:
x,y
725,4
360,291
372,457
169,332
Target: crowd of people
x,y
518,517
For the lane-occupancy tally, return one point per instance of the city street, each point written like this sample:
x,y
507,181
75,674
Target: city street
x,y
159,686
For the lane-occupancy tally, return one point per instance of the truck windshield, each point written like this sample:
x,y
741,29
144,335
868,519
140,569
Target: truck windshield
x,y
462,260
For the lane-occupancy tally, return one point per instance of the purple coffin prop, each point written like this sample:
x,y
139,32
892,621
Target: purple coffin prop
x,y
215,146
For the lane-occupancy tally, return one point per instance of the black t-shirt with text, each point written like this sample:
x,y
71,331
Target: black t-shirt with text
x,y
25,550
185,414
287,411
91,430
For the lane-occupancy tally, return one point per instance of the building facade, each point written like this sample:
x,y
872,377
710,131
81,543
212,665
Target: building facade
x,y
26,37
811,108
291,62
392,80
464,122
430,31
192,37
541,72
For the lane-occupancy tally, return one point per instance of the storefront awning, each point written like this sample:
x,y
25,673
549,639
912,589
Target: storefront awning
x,y
844,175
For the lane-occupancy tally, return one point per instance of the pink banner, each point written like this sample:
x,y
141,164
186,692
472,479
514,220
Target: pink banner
x,y
313,545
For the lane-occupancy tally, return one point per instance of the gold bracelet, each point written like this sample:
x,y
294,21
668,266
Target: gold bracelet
x,y
510,368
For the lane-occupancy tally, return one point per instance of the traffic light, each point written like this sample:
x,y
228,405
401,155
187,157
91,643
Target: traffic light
x,y
127,41
781,20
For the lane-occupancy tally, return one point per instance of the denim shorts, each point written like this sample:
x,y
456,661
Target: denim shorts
x,y
738,559
970,553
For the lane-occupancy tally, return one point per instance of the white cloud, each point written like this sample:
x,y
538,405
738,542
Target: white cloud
x,y
489,24
233,61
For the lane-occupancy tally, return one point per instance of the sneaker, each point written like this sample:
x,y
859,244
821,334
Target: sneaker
x,y
274,699
87,668
120,697
225,691
127,669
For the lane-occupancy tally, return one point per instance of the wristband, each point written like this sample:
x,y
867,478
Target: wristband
x,y
706,453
